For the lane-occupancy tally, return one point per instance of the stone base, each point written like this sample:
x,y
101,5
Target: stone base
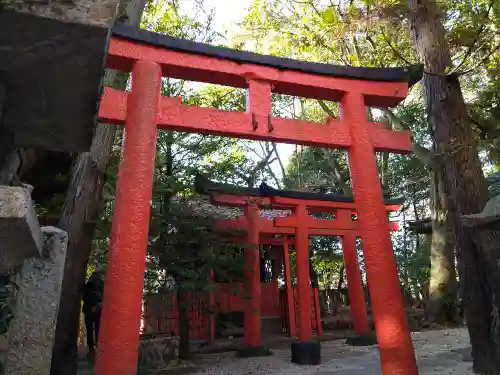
x,y
37,301
466,353
158,353
253,351
367,339
306,353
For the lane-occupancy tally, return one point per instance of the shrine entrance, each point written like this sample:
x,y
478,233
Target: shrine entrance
x,y
150,56
282,220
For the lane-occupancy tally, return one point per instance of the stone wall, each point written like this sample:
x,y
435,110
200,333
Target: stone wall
x,y
158,353
32,331
87,12
20,234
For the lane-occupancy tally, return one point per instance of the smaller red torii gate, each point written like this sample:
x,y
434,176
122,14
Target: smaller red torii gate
x,y
300,221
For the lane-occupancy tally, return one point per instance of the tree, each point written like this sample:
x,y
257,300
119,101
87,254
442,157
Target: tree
x,y
442,304
463,179
188,250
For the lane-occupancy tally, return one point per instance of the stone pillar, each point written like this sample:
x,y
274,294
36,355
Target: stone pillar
x,y
20,234
32,331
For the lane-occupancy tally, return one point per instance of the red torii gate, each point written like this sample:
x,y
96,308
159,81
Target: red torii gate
x,y
149,56
342,226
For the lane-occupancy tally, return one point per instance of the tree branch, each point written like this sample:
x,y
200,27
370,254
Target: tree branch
x,y
325,108
422,153
396,52
486,58
479,32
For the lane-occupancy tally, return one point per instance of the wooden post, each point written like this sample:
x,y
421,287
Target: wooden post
x,y
252,279
292,330
396,348
303,276
118,344
355,285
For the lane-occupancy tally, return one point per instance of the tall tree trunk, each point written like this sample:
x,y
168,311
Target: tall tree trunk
x,y
458,162
79,213
442,305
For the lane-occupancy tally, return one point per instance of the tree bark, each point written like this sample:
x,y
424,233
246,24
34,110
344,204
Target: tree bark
x,y
442,305
458,162
79,213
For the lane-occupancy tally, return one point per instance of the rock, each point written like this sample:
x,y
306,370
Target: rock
x,y
32,331
20,233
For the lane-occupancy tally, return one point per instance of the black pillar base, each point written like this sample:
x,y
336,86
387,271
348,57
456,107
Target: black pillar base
x,y
306,352
366,339
253,351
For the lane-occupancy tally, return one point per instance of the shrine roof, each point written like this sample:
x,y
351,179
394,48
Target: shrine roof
x,y
423,226
204,186
411,74
488,220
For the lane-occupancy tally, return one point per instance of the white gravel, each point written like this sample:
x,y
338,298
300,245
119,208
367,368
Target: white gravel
x,y
435,351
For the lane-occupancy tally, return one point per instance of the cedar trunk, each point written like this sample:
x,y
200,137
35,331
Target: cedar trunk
x,y
80,209
458,162
79,213
442,305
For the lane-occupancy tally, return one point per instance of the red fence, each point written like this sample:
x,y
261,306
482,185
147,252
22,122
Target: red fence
x,y
314,306
161,311
161,314
231,297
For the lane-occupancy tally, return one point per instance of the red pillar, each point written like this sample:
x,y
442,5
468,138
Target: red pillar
x,y
292,330
212,310
317,310
303,278
252,278
121,316
355,285
396,348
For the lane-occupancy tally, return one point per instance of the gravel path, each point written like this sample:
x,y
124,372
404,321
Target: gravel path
x,y
438,352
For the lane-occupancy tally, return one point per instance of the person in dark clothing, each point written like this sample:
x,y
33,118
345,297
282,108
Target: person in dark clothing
x,y
92,299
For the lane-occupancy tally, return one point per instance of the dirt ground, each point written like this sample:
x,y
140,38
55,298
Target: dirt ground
x,y
438,352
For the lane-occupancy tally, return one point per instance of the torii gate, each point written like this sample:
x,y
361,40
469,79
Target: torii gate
x,y
149,56
256,226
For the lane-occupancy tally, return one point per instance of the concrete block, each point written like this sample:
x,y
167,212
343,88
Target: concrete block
x,y
20,233
40,108
32,331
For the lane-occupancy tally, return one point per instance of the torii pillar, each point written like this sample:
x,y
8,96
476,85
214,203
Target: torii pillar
x,y
396,348
289,289
122,307
305,351
363,334
252,314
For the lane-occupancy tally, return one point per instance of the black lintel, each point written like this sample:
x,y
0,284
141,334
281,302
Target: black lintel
x,y
204,186
420,226
411,74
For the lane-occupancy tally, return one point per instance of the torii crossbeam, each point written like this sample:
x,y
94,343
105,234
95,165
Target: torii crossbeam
x,y
142,111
